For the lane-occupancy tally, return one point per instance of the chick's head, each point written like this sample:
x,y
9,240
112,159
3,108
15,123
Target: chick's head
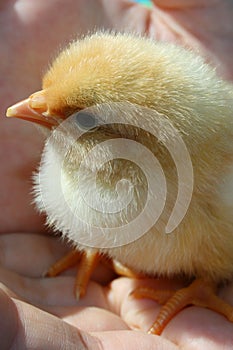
x,y
98,69
110,68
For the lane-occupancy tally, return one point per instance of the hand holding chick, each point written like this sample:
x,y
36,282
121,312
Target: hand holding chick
x,y
189,18
49,305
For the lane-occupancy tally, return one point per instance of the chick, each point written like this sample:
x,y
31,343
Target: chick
x,y
141,80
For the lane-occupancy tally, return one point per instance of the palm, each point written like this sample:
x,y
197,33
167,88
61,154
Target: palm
x,y
27,44
104,308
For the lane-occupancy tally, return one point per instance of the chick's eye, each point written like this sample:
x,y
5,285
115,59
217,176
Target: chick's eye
x,y
86,121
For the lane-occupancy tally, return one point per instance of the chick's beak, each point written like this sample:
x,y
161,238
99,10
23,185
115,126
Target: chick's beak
x,y
33,109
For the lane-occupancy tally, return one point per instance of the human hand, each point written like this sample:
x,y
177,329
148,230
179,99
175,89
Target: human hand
x,y
42,313
27,44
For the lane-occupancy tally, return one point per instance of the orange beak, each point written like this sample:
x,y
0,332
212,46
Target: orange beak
x,y
34,109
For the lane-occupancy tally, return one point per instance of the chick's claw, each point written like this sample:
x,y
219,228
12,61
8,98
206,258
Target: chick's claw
x,y
87,265
198,293
87,262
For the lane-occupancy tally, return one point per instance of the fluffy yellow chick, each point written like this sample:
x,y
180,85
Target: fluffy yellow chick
x,y
143,82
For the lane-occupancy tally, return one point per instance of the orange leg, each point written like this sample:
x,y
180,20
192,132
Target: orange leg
x,y
67,261
120,269
88,260
87,265
199,293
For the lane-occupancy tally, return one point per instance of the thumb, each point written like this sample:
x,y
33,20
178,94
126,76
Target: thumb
x,y
8,321
23,326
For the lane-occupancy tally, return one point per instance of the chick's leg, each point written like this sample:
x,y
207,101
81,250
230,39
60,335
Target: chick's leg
x,y
87,265
67,261
199,293
121,269
87,260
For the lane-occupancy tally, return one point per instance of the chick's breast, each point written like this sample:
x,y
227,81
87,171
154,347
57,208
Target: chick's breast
x,y
106,69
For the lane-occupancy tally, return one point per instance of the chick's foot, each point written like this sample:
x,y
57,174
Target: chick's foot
x,y
199,293
87,260
121,269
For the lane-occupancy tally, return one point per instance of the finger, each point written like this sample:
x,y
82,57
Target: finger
x,y
22,326
30,254
8,291
48,292
126,15
88,318
213,329
31,328
8,321
125,340
204,26
137,313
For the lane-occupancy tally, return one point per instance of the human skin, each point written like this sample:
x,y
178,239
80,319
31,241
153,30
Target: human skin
x,y
29,38
39,313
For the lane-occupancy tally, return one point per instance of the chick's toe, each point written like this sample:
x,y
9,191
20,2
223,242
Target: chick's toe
x,y
199,293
